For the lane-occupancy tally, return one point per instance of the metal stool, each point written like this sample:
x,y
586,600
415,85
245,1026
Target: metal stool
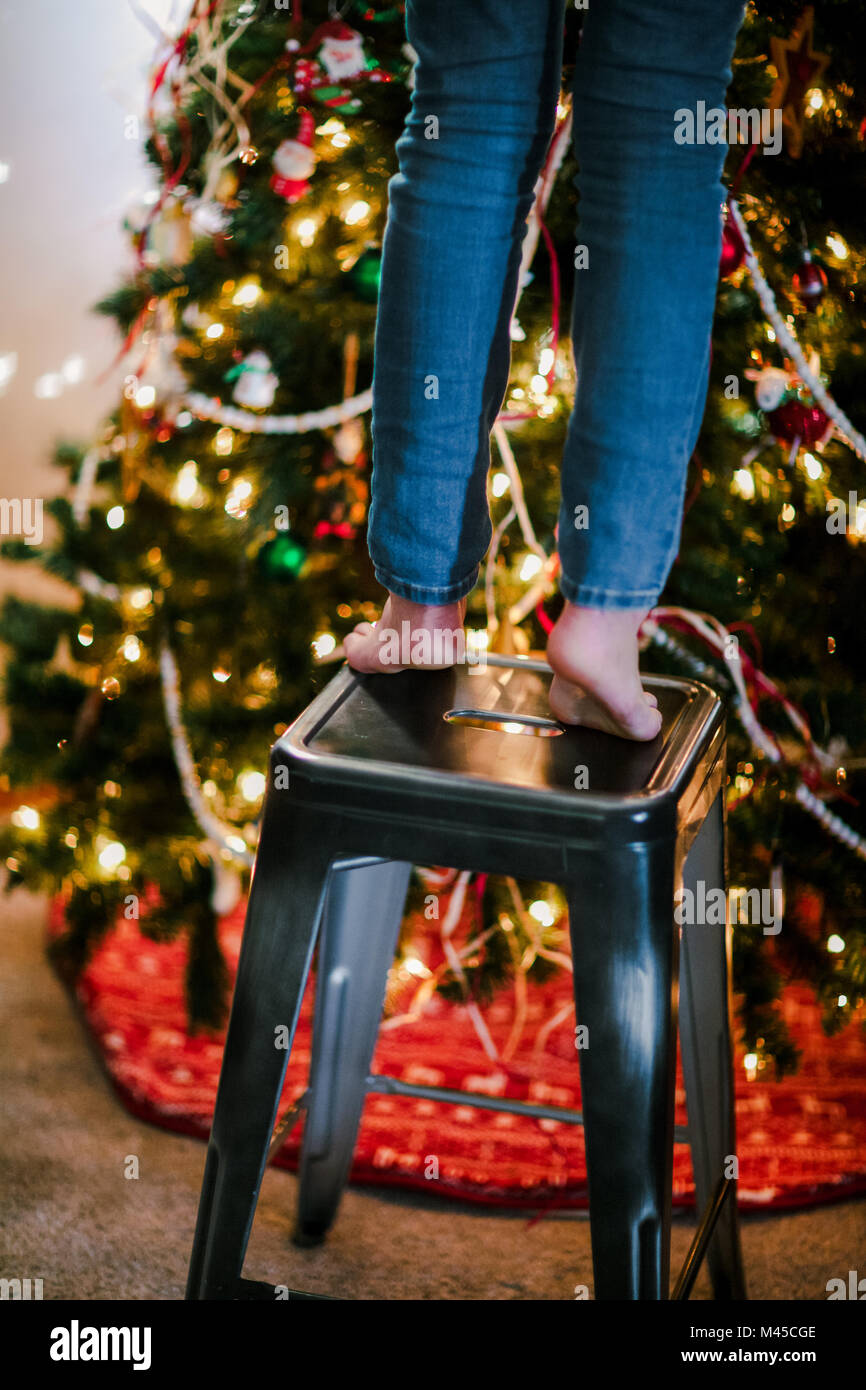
x,y
465,767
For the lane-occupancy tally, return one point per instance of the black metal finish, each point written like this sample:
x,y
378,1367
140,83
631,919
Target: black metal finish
x,y
372,778
723,1194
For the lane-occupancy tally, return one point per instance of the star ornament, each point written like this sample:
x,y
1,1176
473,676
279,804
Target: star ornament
x,y
799,67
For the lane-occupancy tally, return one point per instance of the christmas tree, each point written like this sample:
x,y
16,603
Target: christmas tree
x,y
214,533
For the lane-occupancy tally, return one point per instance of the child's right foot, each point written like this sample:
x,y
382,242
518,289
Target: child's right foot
x,y
594,655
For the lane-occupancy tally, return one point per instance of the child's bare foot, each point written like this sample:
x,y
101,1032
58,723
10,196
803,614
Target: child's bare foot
x,y
594,654
417,635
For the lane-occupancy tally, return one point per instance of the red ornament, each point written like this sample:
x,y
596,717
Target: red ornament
x,y
733,248
809,282
795,420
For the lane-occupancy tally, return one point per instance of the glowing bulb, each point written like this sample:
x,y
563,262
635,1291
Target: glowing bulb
x,y
236,843
812,466
247,295
26,817
85,634
252,785
538,384
744,483
771,334
499,484
186,484
356,213
131,648
70,839
542,912
842,1001
220,674
530,567
216,330
145,396
140,598
324,644
750,1062
113,854
223,441
242,487
306,231
837,246
477,638
835,943
115,518
341,139
413,966
815,98
546,359
788,513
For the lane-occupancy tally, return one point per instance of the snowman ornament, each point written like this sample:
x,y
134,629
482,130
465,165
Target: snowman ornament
x,y
255,383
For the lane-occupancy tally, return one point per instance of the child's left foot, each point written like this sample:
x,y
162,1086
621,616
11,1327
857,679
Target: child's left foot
x,y
417,635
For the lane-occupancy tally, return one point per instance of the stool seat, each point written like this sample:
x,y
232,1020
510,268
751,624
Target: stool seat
x,y
430,722
466,767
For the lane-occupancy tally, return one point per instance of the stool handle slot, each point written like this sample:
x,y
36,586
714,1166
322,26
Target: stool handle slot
x,y
513,724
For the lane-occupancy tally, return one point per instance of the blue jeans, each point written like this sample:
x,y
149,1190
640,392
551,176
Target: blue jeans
x,y
489,72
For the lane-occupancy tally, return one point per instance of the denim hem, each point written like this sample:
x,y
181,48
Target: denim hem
x,y
590,596
425,593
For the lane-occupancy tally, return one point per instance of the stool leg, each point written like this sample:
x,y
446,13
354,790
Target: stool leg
x,y
625,961
286,896
363,912
705,1034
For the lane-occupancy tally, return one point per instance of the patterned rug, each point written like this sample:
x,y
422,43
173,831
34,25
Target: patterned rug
x,y
801,1141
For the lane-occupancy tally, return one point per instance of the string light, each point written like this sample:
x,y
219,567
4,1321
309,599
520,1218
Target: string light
x,y
750,1062
837,246
224,441
835,943
85,634
305,231
220,674
113,854
356,213
236,504
26,817
530,567
216,330
145,396
115,518
324,644
812,467
743,482
131,648
252,784
542,912
248,294
139,598
499,484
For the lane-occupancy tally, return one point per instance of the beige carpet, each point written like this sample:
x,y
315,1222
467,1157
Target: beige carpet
x,y
69,1216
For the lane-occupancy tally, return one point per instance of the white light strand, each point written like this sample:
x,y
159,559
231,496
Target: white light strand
x,y
212,826
805,797
786,339
208,408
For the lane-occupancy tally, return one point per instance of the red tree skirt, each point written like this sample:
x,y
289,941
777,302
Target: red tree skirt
x,y
800,1141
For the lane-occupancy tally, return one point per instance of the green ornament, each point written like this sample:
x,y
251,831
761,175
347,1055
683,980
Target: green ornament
x,y
281,558
364,275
